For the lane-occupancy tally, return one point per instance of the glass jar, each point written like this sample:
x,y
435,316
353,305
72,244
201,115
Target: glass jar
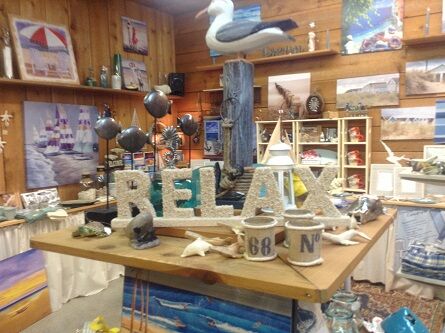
x,y
103,77
101,180
340,319
350,301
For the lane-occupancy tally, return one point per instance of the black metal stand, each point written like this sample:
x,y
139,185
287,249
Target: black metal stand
x,y
190,151
154,146
104,215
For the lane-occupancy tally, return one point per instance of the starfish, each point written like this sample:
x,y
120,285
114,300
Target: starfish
x,y
5,117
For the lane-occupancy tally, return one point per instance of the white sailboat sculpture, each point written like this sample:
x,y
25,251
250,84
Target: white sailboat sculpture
x,y
276,138
84,136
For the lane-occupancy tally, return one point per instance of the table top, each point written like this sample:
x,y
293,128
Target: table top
x,y
276,277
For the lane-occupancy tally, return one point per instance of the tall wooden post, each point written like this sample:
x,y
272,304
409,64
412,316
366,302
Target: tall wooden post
x,y
238,104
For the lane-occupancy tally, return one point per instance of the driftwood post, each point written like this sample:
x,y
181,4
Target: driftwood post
x,y
238,107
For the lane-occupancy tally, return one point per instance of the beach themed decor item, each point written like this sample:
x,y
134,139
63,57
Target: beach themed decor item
x,y
241,36
376,90
171,139
259,237
345,237
425,76
44,51
392,158
106,127
208,196
371,26
408,123
170,194
134,36
439,131
134,75
6,53
403,320
60,143
24,291
368,208
142,232
133,138
314,105
92,229
297,217
282,166
304,239
288,93
10,212
197,247
157,103
356,135
263,178
311,38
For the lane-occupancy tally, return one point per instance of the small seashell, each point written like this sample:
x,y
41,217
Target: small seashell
x,y
198,247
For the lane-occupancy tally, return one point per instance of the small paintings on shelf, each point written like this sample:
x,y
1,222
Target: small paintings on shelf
x,y
135,75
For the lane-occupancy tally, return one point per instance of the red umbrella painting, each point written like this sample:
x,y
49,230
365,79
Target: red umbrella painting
x,y
45,37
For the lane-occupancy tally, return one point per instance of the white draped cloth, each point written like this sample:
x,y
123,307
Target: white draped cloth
x,y
68,276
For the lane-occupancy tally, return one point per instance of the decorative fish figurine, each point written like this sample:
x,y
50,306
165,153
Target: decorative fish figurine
x,y
345,237
198,247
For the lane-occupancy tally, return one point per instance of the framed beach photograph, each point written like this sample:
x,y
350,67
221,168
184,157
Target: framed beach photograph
x,y
376,90
44,51
408,123
60,143
135,75
288,93
425,77
134,36
372,26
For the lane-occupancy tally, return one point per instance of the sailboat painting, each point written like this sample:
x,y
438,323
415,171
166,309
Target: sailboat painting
x,y
60,143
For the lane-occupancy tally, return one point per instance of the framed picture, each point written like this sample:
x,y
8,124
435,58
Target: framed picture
x,y
408,123
135,75
44,51
134,36
60,143
425,77
382,180
406,188
430,151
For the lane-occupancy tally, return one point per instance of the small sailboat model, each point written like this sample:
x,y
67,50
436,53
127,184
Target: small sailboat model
x,y
276,138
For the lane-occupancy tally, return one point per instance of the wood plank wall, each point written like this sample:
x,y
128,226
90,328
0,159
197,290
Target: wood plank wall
x,y
95,28
191,51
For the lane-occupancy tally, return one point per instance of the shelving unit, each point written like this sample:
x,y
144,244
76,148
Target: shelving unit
x,y
305,133
427,179
26,83
364,124
420,278
267,60
419,41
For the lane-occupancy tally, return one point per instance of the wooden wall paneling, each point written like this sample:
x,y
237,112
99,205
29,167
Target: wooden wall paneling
x,y
33,9
152,66
133,10
168,43
100,43
115,10
13,155
57,12
80,36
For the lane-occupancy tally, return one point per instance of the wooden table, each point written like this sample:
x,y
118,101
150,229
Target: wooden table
x,y
276,278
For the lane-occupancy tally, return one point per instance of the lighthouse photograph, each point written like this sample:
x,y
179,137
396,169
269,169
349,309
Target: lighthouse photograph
x,y
60,143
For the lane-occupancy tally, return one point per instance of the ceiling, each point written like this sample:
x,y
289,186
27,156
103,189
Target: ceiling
x,y
176,7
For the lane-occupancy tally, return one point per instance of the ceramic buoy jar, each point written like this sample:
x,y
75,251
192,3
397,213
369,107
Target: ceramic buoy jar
x,y
259,238
304,238
297,217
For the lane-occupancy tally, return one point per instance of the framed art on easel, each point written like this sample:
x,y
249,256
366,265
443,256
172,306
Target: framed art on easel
x,y
44,51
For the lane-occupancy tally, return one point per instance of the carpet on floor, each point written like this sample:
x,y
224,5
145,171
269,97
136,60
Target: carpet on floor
x,y
376,302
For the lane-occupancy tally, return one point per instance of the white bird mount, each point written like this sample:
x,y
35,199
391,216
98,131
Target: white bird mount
x,y
392,158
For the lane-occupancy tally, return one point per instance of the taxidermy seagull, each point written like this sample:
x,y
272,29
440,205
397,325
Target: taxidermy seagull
x,y
391,157
241,36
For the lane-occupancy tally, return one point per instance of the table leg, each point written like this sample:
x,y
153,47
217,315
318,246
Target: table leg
x,y
348,283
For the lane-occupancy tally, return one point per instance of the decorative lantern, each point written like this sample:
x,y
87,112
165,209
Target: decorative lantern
x,y
282,166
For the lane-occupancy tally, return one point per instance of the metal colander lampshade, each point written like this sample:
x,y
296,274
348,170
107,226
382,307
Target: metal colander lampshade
x,y
282,166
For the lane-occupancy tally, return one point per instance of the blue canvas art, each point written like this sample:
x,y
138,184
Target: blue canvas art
x,y
439,133
60,143
370,26
176,310
251,13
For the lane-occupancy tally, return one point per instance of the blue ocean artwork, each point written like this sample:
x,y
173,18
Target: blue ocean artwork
x,y
378,27
250,12
177,310
439,133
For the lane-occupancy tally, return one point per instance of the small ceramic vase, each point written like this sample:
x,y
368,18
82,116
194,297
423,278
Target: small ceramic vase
x,y
259,238
10,212
304,239
297,217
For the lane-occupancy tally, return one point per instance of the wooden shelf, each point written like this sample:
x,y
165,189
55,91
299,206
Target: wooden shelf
x,y
420,278
318,143
26,83
267,60
427,179
355,143
318,165
424,40
222,89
